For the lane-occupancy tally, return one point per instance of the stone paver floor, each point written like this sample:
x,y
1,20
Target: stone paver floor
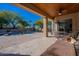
x,y
60,48
27,44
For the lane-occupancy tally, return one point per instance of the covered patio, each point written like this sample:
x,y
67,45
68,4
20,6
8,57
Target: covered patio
x,y
56,13
48,45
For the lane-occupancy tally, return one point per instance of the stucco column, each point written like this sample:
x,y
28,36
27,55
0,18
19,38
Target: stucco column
x,y
55,27
45,27
52,27
75,23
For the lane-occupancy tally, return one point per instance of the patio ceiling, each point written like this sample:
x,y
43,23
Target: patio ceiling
x,y
51,10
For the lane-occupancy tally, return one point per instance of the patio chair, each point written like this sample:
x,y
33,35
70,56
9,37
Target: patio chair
x,y
76,45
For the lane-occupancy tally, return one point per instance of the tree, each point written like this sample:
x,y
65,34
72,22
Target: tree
x,y
39,24
3,22
12,18
22,23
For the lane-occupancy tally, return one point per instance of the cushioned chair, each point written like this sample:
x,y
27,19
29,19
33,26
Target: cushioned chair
x,y
75,35
76,45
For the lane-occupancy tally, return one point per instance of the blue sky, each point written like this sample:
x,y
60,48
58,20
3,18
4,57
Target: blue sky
x,y
24,13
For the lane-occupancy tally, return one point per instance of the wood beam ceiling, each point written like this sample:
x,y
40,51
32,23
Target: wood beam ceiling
x,y
50,10
36,9
28,9
32,8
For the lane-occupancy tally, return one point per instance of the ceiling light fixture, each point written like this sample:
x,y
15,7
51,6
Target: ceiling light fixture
x,y
60,11
53,18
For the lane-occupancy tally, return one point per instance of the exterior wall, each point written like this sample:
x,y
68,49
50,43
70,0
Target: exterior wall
x,y
78,22
75,20
75,24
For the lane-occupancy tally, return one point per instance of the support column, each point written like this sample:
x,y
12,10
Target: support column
x,y
75,23
56,27
52,27
45,27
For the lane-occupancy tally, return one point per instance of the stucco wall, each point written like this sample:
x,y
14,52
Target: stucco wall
x,y
75,20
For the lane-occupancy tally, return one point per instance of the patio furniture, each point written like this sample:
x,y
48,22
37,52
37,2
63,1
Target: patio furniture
x,y
76,46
